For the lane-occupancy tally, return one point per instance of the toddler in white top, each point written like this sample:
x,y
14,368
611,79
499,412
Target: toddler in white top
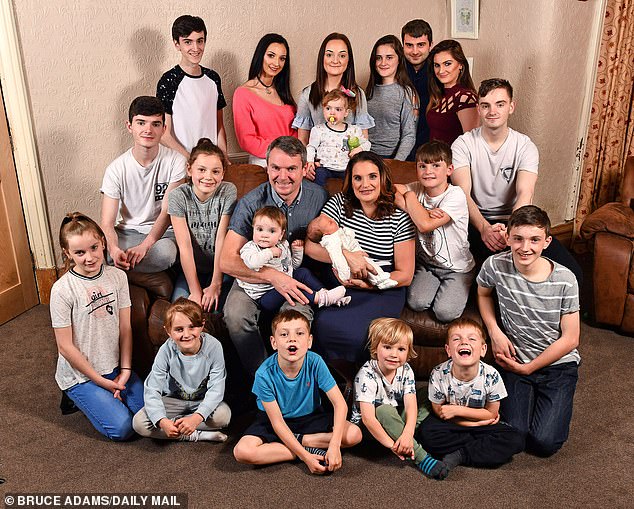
x,y
334,142
269,248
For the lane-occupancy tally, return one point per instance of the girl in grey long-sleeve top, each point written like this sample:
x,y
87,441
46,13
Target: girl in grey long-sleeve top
x,y
391,99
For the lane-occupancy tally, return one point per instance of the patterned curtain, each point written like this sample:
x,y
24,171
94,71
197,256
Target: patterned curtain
x,y
610,135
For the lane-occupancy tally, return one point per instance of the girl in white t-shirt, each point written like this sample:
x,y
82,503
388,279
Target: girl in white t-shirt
x,y
200,211
90,313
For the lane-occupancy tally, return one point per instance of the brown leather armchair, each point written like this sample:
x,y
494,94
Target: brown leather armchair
x,y
150,293
609,231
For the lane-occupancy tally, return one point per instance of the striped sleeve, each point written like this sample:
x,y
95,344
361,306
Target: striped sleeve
x,y
405,229
486,277
334,208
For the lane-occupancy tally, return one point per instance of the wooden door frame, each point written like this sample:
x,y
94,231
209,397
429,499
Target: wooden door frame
x,y
20,120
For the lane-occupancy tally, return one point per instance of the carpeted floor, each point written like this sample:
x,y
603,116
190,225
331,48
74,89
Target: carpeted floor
x,y
43,451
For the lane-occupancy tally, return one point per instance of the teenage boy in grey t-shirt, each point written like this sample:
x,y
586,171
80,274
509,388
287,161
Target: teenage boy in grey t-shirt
x,y
535,344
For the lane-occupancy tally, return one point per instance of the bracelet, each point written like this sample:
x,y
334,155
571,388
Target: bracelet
x,y
127,369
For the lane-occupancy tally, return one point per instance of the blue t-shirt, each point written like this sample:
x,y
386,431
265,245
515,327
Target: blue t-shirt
x,y
297,396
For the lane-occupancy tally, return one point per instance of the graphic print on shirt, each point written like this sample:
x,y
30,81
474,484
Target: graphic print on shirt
x,y
100,304
159,190
507,173
199,393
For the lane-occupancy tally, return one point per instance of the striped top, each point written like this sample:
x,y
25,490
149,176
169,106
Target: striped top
x,y
376,236
531,311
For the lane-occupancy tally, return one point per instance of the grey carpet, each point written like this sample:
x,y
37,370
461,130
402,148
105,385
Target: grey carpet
x,y
43,451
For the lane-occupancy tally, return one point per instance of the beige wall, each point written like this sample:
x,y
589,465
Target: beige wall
x,y
85,61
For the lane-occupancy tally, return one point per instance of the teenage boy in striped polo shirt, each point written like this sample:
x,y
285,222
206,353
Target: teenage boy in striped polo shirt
x,y
535,344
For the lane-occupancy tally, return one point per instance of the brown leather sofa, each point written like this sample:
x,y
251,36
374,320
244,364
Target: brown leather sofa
x,y
609,232
150,293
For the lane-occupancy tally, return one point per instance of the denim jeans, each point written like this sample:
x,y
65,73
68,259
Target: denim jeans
x,y
540,405
109,416
322,174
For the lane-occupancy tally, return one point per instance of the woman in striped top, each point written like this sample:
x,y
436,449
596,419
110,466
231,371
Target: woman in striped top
x,y
386,234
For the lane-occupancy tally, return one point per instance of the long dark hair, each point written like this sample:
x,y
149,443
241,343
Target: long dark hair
x,y
348,80
282,80
436,88
385,203
401,77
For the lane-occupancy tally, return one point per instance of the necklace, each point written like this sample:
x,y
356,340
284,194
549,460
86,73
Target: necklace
x,y
266,87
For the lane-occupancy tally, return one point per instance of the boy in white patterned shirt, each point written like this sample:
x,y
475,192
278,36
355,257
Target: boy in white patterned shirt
x,y
385,395
465,394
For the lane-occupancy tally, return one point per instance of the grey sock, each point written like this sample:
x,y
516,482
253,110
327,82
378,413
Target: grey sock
x,y
454,459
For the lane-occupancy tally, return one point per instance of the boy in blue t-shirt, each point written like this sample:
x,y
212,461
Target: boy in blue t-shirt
x,y
291,422
192,94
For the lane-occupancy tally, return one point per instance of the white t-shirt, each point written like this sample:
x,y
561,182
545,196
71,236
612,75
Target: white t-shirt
x,y
90,305
494,174
447,246
140,190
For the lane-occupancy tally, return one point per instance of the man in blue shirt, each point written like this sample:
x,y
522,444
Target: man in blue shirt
x,y
301,201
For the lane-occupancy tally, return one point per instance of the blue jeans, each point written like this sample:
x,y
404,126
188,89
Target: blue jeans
x,y
540,405
181,288
109,416
322,174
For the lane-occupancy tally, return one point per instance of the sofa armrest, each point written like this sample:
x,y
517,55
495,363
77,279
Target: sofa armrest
x,y
614,217
142,352
611,269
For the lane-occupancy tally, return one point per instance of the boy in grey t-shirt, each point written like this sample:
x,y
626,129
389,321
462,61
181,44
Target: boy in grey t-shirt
x,y
535,344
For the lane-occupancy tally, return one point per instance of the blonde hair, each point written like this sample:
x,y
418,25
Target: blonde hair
x,y
189,308
390,331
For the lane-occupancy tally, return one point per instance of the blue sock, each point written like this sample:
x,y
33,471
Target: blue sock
x,y
433,468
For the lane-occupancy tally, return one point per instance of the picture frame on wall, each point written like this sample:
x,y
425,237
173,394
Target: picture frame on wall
x,y
465,18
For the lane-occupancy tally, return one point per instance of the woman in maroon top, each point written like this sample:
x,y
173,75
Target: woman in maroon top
x,y
452,97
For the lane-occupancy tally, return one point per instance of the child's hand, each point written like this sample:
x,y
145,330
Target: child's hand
x,y
169,428
399,201
448,412
312,462
298,244
210,297
510,364
113,386
277,252
501,344
196,297
404,447
187,425
355,151
136,253
119,258
333,458
310,171
437,213
400,188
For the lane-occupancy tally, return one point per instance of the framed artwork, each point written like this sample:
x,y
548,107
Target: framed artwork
x,y
464,19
